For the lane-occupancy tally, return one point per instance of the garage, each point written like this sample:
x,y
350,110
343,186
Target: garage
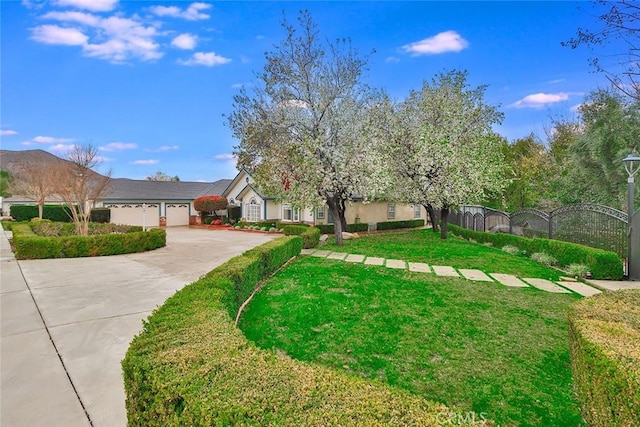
x,y
133,214
177,214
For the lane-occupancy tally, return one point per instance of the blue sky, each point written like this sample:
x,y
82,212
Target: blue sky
x,y
148,82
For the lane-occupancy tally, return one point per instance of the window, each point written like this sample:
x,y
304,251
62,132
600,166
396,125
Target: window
x,y
320,213
391,211
417,211
290,214
253,211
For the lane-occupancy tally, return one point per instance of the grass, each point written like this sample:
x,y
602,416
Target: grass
x,y
426,246
499,352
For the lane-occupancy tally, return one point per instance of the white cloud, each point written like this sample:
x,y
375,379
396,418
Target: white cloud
x,y
62,148
556,81
541,100
53,34
392,59
184,41
145,162
447,41
163,149
225,156
191,13
102,159
119,146
208,59
93,5
47,140
77,17
8,132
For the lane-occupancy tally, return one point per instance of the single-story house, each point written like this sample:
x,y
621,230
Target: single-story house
x,y
256,206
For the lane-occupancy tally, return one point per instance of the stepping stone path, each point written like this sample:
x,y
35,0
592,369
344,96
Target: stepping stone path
x,y
468,274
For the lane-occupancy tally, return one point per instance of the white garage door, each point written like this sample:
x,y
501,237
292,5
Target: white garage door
x,y
177,214
133,214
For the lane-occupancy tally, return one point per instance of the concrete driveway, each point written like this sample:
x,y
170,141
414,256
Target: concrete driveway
x,y
65,324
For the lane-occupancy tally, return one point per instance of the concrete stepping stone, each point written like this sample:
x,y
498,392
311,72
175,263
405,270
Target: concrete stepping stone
x,y
307,252
374,261
321,254
509,280
546,285
419,267
337,255
443,270
396,263
475,275
354,258
581,288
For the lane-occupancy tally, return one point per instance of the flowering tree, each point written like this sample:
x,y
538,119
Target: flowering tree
x,y
442,150
206,204
304,130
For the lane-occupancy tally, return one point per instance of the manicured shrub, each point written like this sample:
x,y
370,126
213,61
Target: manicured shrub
x,y
391,225
58,213
192,366
351,228
27,245
511,249
602,264
100,215
310,235
209,204
544,258
604,341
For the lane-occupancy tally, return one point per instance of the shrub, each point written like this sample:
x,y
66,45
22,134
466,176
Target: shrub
x,y
602,264
27,245
207,204
392,225
310,235
58,213
511,249
604,342
234,212
544,258
100,215
351,228
577,270
191,366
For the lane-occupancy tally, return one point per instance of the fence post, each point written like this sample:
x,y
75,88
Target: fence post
x,y
550,225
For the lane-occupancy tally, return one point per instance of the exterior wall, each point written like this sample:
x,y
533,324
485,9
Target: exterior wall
x,y
375,212
274,210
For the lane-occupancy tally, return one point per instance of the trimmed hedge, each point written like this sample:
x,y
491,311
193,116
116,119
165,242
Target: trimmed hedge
x,y
351,228
58,213
604,341
602,264
310,235
100,215
192,366
392,225
27,245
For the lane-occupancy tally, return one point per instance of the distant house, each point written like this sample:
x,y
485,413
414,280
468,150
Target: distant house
x,y
257,206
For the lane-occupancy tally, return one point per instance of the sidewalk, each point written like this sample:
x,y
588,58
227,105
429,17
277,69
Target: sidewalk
x,y
593,287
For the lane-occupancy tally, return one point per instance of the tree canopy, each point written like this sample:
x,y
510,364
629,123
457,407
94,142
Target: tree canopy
x,y
161,176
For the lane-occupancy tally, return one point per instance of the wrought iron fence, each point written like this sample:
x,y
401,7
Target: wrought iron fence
x,y
588,224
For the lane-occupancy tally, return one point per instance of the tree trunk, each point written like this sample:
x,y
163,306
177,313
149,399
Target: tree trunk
x,y
444,216
343,219
432,217
40,208
337,221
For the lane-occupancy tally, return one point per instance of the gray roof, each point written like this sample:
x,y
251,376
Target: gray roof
x,y
130,189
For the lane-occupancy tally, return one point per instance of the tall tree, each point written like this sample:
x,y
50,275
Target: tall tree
x,y
79,186
37,182
304,128
161,176
615,44
443,151
6,179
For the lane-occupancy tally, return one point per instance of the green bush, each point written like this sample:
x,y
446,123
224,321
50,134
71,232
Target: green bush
x,y
100,215
351,228
392,225
192,366
604,340
602,264
58,213
310,235
27,245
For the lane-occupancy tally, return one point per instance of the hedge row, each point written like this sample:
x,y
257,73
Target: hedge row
x,y
310,235
28,245
602,264
604,340
391,225
192,366
58,213
351,228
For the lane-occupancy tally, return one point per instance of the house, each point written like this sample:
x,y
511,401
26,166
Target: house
x,y
257,206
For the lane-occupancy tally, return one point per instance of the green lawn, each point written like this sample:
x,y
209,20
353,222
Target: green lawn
x,y
500,352
426,246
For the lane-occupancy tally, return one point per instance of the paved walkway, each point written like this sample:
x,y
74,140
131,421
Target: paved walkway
x,y
65,324
564,286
